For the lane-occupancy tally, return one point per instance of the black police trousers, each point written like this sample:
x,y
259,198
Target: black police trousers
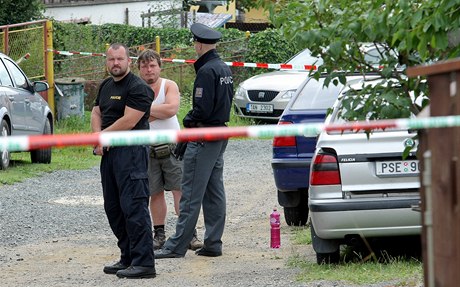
x,y
126,199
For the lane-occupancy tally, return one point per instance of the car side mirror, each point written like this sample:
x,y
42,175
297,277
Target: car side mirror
x,y
40,86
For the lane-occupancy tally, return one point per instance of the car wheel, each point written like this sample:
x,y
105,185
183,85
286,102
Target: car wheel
x,y
42,155
328,250
298,215
5,155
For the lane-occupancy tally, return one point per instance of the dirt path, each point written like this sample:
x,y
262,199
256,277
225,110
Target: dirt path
x,y
81,243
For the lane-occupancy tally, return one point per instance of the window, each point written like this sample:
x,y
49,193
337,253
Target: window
x,y
18,76
5,79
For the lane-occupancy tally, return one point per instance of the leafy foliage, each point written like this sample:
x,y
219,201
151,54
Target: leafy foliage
x,y
406,33
18,11
268,46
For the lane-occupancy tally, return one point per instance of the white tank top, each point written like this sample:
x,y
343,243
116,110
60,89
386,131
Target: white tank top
x,y
170,123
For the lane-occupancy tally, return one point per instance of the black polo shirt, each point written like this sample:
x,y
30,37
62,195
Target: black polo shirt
x,y
130,91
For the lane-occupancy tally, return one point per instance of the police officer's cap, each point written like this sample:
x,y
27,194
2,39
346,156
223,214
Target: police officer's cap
x,y
204,34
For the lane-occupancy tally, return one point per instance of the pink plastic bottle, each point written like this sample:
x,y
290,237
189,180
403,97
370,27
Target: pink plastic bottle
x,y
275,236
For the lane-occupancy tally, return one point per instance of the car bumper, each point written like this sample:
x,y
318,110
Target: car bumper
x,y
335,219
291,174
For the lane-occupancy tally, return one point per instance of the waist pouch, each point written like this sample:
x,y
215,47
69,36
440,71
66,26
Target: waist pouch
x,y
160,151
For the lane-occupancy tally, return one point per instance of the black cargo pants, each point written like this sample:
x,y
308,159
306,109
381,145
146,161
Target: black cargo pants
x,y
126,199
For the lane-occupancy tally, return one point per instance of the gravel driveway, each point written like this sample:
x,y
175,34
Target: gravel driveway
x,y
54,232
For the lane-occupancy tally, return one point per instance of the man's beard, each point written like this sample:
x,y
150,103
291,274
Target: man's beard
x,y
118,73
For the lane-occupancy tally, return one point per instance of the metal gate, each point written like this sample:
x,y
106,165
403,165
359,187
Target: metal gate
x,y
30,44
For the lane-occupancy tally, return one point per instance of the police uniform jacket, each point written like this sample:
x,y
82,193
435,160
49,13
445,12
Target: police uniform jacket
x,y
212,93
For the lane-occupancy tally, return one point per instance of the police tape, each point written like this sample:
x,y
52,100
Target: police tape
x,y
148,137
183,61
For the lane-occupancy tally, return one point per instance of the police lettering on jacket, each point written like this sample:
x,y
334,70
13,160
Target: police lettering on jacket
x,y
226,80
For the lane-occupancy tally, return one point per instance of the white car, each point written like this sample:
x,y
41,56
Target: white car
x,y
362,187
266,95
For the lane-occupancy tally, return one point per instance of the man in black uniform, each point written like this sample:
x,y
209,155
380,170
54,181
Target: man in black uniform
x,y
202,177
123,103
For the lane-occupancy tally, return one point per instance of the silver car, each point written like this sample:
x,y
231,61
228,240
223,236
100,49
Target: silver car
x,y
266,95
362,187
22,110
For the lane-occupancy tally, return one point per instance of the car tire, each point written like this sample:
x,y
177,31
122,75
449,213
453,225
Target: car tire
x,y
325,257
42,155
298,215
4,155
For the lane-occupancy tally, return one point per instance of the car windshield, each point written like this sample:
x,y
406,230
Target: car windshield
x,y
314,95
305,58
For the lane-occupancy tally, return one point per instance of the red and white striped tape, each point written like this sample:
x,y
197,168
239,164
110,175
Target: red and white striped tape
x,y
71,53
183,61
147,137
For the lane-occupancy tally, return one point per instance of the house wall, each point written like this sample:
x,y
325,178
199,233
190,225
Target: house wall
x,y
256,16
102,13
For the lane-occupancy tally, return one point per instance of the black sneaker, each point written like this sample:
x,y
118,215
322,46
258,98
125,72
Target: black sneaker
x,y
112,269
159,238
204,252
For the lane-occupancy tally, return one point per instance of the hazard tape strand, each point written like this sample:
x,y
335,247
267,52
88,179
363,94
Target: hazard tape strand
x,y
149,137
183,61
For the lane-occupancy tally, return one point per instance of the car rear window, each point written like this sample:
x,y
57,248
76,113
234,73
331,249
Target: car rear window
x,y
314,95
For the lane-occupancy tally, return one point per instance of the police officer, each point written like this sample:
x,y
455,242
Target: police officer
x,y
123,103
202,178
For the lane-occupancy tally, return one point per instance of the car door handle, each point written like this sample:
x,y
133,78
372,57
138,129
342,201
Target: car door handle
x,y
11,98
27,101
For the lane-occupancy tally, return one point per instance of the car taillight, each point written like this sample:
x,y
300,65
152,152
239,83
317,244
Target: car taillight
x,y
284,141
325,170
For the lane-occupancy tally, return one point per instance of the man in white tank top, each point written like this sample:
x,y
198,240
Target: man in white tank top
x,y
165,171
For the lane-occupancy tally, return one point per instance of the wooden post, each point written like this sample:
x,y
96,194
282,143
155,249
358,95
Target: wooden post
x,y
441,226
157,44
49,65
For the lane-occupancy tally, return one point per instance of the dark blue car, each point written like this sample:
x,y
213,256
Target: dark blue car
x,y
292,155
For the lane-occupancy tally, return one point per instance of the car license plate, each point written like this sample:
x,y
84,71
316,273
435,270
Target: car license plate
x,y
259,108
397,168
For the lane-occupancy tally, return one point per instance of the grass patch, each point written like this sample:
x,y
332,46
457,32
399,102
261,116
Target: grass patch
x,y
387,267
400,272
301,235
68,158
